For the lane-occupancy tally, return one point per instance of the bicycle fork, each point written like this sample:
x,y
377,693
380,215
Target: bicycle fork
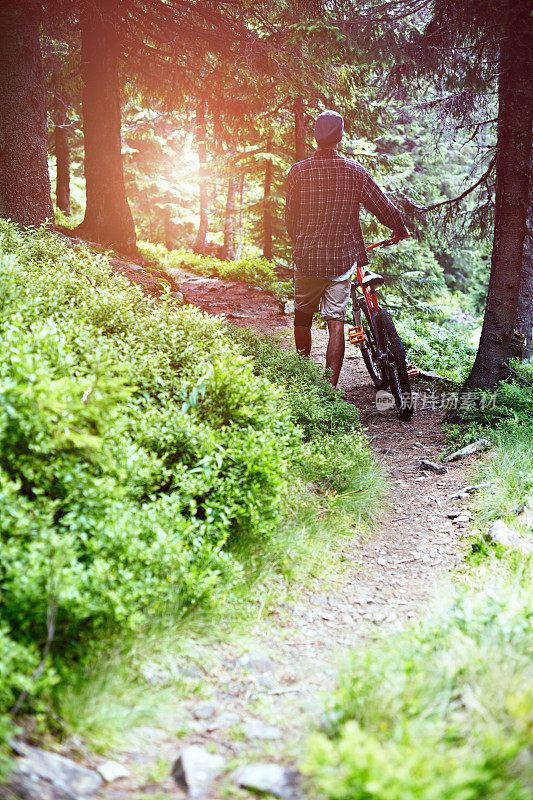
x,y
356,335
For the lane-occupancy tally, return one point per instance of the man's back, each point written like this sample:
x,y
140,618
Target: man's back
x,y
324,194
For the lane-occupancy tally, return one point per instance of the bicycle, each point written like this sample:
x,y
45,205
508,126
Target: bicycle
x,y
381,347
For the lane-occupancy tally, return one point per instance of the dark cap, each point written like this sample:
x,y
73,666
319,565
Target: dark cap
x,y
329,127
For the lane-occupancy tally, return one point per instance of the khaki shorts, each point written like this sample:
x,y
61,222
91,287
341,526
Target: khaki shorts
x,y
313,294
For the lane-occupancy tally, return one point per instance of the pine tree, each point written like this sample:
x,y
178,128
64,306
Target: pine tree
x,y
24,179
463,48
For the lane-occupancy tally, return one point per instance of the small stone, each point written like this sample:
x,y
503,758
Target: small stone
x,y
195,771
270,778
204,710
112,771
501,533
154,674
192,671
266,682
466,490
431,466
258,661
256,729
227,719
286,307
470,449
41,775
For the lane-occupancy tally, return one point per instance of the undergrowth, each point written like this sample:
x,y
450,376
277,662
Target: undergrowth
x,y
151,467
253,270
505,412
443,709
436,346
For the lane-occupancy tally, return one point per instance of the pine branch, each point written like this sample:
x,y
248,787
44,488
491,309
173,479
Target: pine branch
x,y
412,208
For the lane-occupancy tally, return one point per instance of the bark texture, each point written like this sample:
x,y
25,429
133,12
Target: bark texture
x,y
108,218
267,216
240,243
201,137
24,179
524,317
512,168
61,147
229,222
299,128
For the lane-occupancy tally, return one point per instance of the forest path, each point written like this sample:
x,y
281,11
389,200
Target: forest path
x,y
255,696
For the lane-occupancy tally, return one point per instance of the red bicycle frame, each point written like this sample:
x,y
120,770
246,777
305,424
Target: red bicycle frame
x,y
371,297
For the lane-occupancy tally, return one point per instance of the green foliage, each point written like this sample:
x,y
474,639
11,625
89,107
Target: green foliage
x,y
508,410
252,270
315,405
145,458
433,346
441,710
136,445
510,475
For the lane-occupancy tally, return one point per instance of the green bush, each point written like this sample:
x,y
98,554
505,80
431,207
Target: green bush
x,y
506,412
315,406
442,710
146,457
435,346
136,444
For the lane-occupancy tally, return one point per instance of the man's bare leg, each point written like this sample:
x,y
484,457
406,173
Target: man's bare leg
x,y
335,351
302,339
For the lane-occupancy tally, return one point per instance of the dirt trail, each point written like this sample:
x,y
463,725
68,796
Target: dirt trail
x,y
259,691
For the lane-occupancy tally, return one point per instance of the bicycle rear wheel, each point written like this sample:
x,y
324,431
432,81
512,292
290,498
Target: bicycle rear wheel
x,y
399,382
369,348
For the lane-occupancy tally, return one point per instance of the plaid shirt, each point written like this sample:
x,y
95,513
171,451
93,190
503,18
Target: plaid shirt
x,y
324,194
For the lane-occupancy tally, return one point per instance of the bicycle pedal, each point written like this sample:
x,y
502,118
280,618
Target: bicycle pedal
x,y
356,335
412,371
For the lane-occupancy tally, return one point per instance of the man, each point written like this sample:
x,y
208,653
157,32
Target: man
x,y
324,194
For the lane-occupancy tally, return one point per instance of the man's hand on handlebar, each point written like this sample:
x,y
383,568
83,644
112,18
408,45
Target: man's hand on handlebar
x,y
397,236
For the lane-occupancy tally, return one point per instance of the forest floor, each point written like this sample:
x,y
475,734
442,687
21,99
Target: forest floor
x,y
255,696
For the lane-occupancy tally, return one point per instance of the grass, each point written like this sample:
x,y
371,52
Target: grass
x,y
156,433
443,709
510,473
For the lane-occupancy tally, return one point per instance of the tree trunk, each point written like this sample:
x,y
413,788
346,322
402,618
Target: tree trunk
x,y
167,229
229,235
108,218
61,148
201,135
238,254
24,179
267,217
513,151
524,317
299,128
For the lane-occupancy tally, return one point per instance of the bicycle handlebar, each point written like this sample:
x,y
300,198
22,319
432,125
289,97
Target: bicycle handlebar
x,y
384,242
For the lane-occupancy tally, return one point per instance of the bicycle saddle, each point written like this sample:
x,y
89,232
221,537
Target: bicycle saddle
x,y
372,279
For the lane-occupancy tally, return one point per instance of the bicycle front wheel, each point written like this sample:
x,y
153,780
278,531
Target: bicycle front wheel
x,y
399,382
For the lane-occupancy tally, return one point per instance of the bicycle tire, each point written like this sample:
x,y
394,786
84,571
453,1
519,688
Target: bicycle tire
x,y
399,382
368,350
